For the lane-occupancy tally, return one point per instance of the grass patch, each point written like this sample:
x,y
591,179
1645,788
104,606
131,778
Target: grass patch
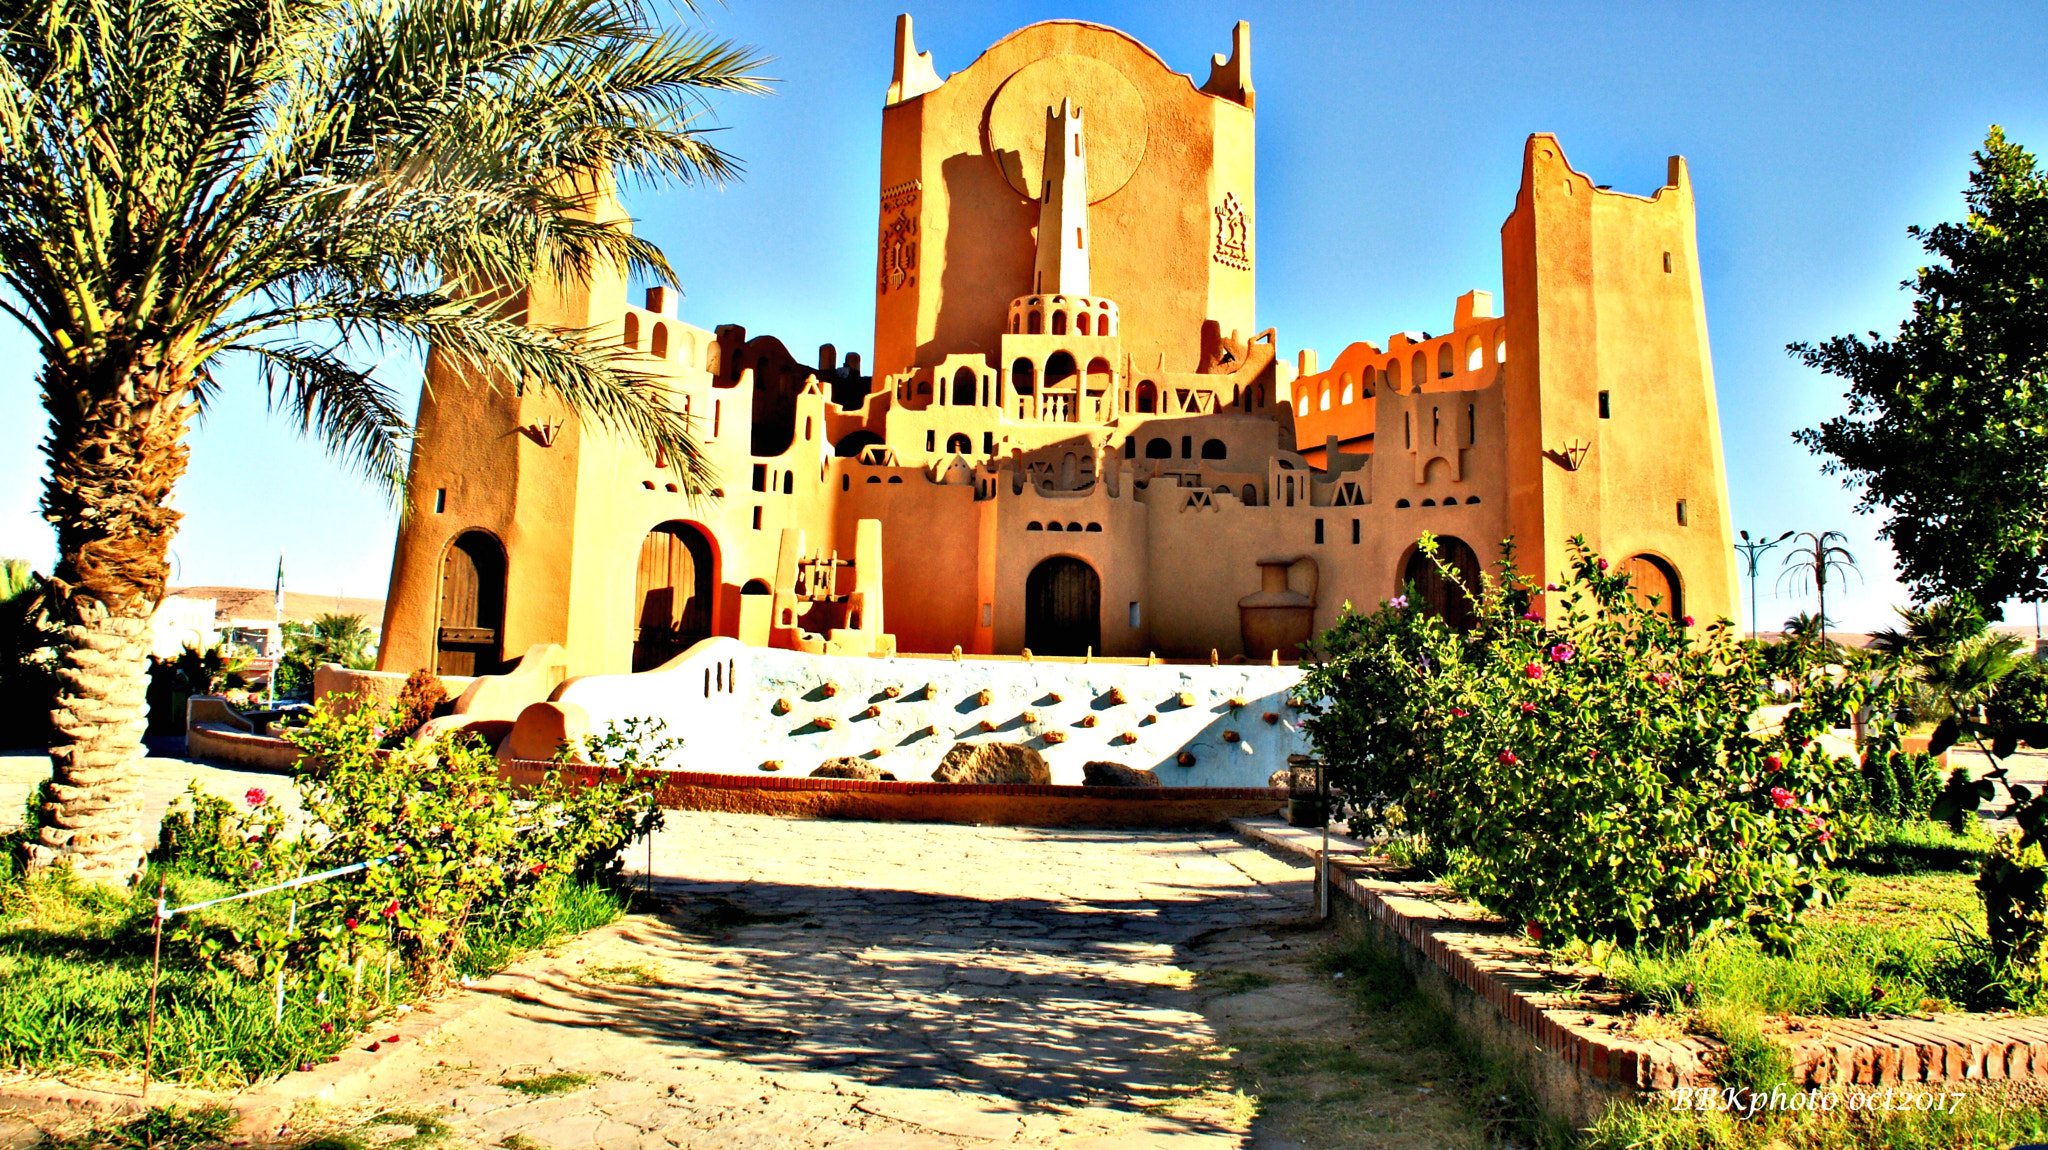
x,y
427,1130
163,1128
1222,982
630,974
542,1085
74,980
1895,943
1919,846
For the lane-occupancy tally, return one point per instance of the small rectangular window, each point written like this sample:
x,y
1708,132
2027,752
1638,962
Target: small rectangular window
x,y
1134,616
760,477
1408,429
988,443
1667,261
1354,532
717,416
1319,531
757,518
1604,408
988,614
1187,447
1682,518
931,441
440,500
1130,448
1077,231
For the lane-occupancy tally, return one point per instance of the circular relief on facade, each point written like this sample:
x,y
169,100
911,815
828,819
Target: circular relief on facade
x,y
1112,118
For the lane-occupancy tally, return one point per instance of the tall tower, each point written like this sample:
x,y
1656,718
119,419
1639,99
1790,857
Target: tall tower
x,y
1063,211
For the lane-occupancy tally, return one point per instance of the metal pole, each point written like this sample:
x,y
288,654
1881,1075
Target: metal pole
x,y
156,967
1323,869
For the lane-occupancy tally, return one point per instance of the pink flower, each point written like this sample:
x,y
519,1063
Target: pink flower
x,y
1398,602
1781,797
1826,836
1533,670
255,796
1552,587
1532,617
1528,708
1458,712
391,909
1508,758
1603,565
1563,653
1661,678
1685,622
1816,823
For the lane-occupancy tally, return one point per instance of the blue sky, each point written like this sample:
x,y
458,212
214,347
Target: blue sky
x,y
1389,151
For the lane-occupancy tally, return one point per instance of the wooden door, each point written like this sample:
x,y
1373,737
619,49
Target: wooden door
x,y
1063,608
672,593
1438,594
470,640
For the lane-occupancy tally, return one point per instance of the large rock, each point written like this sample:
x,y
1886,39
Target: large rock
x,y
850,768
1105,774
1003,763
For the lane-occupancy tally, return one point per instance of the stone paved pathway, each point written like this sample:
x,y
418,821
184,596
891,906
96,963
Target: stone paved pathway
x,y
884,985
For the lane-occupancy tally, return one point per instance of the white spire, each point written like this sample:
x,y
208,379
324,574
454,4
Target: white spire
x,y
1063,237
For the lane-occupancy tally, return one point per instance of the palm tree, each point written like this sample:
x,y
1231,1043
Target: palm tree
x,y
332,638
186,181
1813,560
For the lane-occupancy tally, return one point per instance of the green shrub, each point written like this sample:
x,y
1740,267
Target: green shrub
x,y
1599,776
1900,787
28,658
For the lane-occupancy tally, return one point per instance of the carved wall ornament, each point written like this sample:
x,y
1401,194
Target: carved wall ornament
x,y
898,264
1233,241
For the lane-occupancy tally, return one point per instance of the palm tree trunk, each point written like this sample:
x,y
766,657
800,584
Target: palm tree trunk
x,y
115,449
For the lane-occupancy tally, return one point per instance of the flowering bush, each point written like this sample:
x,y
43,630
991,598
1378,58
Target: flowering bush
x,y
455,846
1600,776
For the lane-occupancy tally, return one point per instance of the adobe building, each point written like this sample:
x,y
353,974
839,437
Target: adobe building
x,y
1074,436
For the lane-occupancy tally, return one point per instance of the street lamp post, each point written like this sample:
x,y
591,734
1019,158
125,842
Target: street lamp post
x,y
1754,550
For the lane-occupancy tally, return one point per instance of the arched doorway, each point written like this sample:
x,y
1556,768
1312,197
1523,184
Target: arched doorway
x,y
1648,577
1062,608
966,388
672,592
471,638
1148,396
1436,593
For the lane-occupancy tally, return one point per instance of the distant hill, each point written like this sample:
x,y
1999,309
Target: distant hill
x,y
299,606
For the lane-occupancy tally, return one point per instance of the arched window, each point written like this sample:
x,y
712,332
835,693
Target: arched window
x,y
1500,352
1031,325
788,482
755,587
1082,322
1214,449
1054,526
1419,369
1023,377
966,387
1105,324
959,444
632,330
1393,373
1073,527
1148,396
658,346
1347,396
1446,363
1157,448
1250,496
1034,525
1098,375
1304,406
1095,527
1059,323
1058,368
1475,355
1326,397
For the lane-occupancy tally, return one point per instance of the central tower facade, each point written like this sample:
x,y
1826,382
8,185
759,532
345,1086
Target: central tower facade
x,y
977,168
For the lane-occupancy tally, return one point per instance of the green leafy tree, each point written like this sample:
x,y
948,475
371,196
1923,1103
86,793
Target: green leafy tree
x,y
28,683
1947,427
186,182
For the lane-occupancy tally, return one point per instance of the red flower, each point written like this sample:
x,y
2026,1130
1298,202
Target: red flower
x,y
255,796
350,923
1563,653
1685,622
1533,670
1603,565
1773,763
1535,930
1826,836
1528,708
1661,678
539,867
1508,758
391,909
1458,712
1781,797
